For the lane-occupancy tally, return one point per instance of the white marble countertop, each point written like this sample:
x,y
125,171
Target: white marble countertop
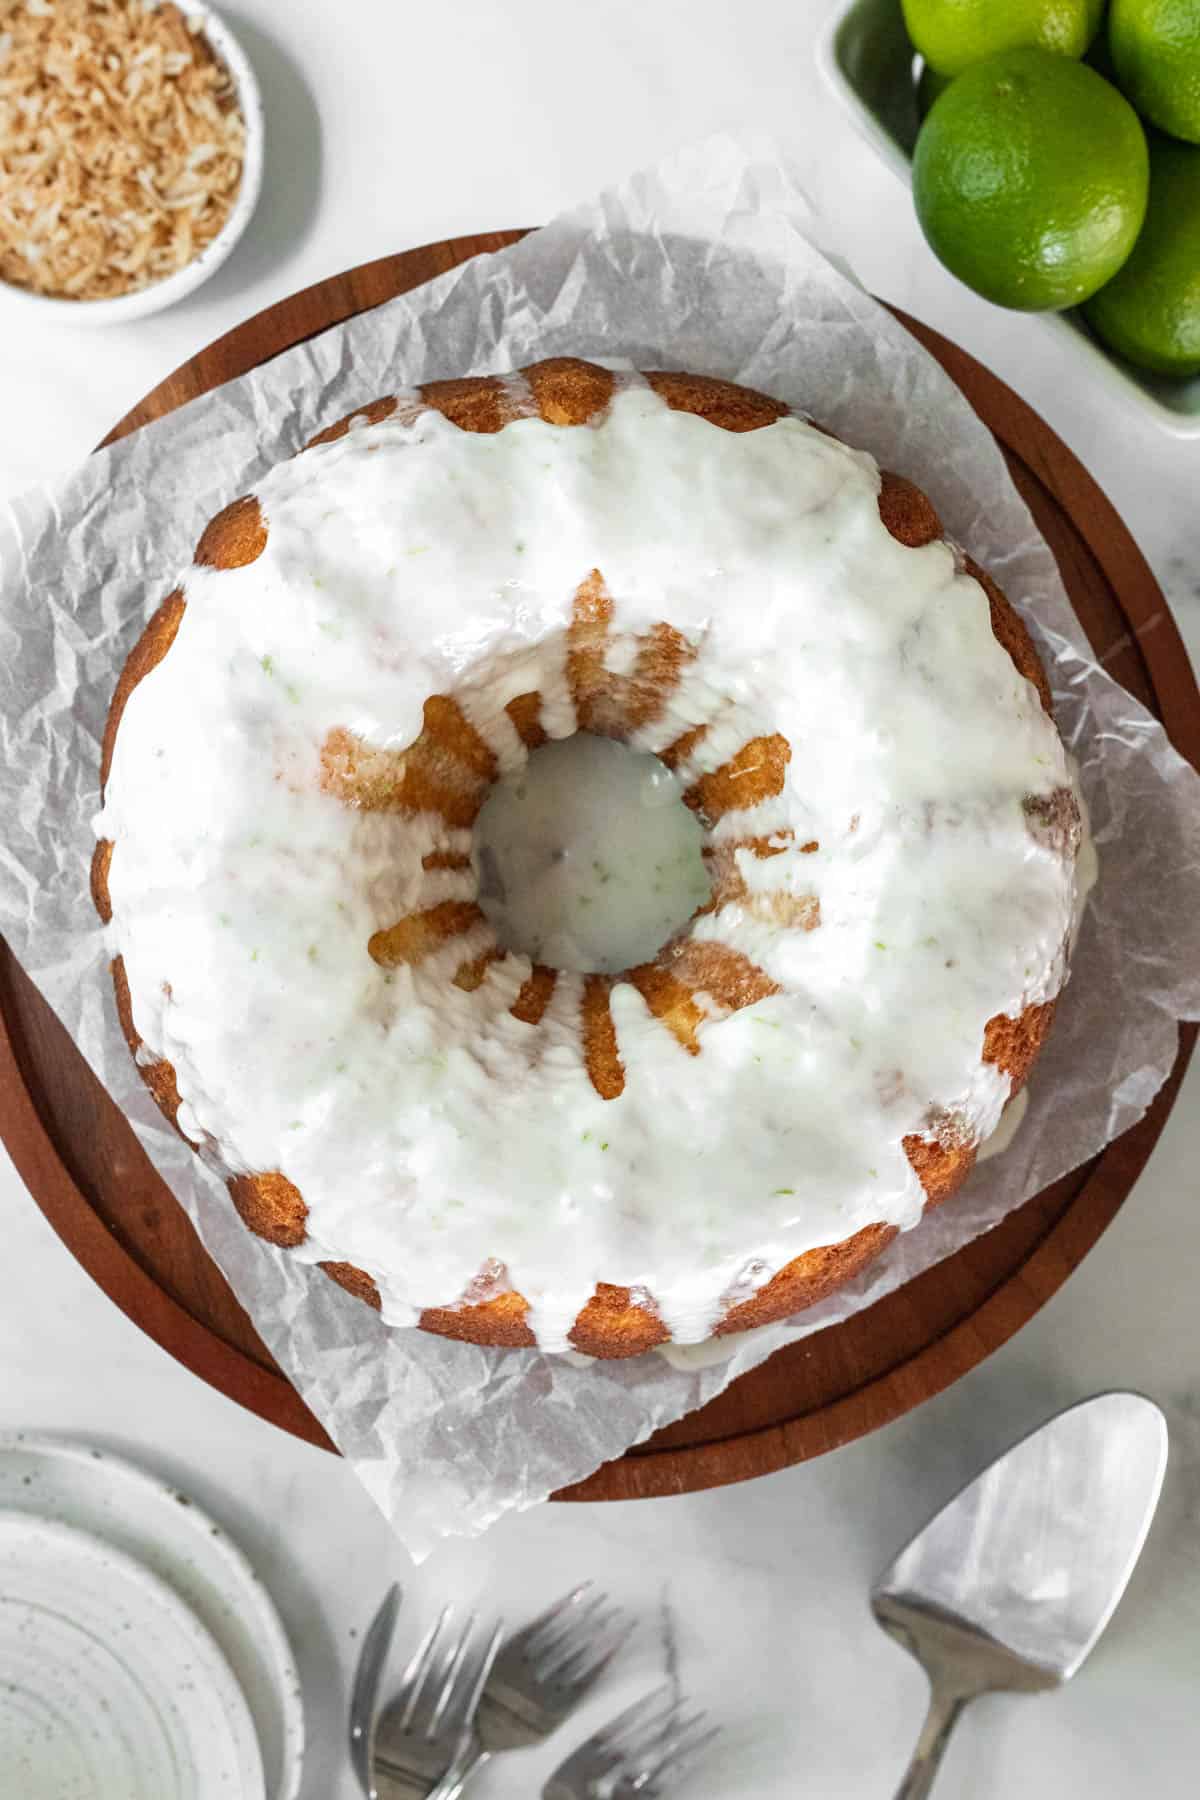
x,y
390,126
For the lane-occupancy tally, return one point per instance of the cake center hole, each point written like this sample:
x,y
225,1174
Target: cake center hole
x,y
587,858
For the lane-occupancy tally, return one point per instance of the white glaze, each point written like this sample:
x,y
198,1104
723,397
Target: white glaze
x,y
1011,1120
588,858
707,1354
427,1129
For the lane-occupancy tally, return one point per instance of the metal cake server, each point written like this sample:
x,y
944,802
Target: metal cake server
x,y
1012,1583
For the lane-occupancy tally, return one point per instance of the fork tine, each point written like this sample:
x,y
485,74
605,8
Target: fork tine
x,y
604,1621
471,1684
581,1670
683,1728
452,1664
596,1626
529,1634
651,1740
569,1640
617,1635
560,1638
686,1745
414,1677
642,1721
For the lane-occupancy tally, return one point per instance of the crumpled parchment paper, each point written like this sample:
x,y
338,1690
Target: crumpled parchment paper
x,y
705,263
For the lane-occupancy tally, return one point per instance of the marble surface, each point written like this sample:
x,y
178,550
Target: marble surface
x,y
389,126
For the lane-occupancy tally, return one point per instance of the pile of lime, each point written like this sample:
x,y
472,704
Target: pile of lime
x,y
1058,162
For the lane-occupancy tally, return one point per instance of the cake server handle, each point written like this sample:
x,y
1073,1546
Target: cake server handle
x,y
945,1704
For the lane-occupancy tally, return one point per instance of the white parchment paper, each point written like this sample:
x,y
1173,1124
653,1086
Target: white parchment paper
x,y
706,263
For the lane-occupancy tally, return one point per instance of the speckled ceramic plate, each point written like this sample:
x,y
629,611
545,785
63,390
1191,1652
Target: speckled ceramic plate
x,y
94,1491
110,1687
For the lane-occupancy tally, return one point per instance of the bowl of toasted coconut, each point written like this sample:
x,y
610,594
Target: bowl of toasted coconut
x,y
131,144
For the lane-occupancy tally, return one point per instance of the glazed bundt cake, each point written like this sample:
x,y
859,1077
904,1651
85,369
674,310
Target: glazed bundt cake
x,y
500,1149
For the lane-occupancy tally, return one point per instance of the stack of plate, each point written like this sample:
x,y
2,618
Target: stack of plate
x,y
140,1656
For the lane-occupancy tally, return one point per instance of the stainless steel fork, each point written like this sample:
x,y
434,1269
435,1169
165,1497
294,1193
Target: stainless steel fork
x,y
426,1729
539,1677
642,1753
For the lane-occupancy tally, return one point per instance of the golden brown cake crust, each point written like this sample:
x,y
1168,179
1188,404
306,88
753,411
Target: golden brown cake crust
x,y
568,392
354,1281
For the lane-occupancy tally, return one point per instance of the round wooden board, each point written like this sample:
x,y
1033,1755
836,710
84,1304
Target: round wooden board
x,y
93,1181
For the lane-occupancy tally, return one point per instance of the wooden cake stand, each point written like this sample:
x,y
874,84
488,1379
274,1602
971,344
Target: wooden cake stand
x,y
87,1172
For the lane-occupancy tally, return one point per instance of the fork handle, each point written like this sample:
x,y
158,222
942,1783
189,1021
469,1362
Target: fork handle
x,y
458,1774
944,1708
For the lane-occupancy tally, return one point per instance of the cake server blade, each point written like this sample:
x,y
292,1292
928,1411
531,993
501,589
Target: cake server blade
x,y
1011,1584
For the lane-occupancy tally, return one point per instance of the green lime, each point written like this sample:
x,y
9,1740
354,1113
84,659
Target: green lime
x,y
1030,178
953,34
930,87
1155,47
1150,311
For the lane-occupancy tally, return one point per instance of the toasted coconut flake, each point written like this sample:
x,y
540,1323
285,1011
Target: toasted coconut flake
x,y
121,145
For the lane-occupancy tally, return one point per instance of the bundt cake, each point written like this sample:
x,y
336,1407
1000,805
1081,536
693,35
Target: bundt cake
x,y
500,1149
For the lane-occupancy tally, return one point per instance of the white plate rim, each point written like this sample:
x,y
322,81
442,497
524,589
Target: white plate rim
x,y
199,1640
214,1540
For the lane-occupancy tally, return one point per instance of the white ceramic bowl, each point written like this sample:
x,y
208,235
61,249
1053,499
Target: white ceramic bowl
x,y
164,293
867,61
